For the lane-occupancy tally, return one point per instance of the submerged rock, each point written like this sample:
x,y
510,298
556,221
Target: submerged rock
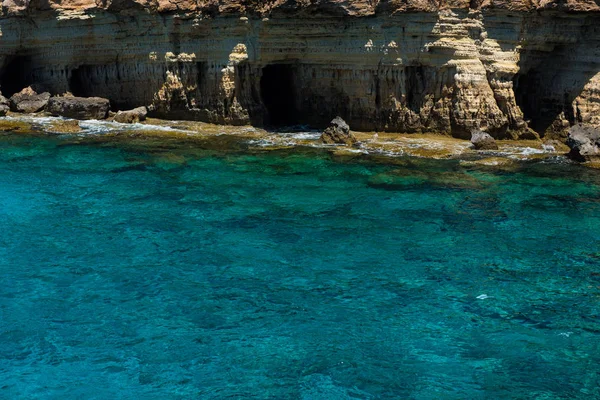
x,y
65,126
4,105
584,142
79,107
483,141
131,116
338,132
29,101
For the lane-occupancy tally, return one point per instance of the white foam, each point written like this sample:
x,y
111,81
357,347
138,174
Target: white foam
x,y
94,126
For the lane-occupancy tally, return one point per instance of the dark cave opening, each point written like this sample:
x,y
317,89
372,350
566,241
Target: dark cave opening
x,y
526,88
415,83
541,99
16,75
278,93
79,81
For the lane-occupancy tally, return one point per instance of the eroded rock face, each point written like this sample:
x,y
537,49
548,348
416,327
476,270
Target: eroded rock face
x,y
584,142
4,105
338,132
29,101
447,66
131,116
483,141
79,107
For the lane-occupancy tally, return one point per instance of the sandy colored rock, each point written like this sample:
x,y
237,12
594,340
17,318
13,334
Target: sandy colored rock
x,y
131,116
4,106
483,141
338,132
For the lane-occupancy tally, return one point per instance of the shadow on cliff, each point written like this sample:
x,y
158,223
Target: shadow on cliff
x,y
16,74
548,83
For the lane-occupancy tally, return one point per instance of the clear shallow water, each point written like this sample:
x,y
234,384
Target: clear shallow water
x,y
161,271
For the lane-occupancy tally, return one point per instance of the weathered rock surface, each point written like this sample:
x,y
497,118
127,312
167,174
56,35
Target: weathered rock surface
x,y
584,142
29,101
4,106
338,132
483,141
131,116
448,66
79,107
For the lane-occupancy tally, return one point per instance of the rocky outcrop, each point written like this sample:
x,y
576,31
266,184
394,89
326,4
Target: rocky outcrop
x,y
338,132
584,142
4,106
29,101
483,141
79,107
448,66
131,116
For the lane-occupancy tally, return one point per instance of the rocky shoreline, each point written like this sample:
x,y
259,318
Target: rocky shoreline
x,y
515,70
29,108
380,146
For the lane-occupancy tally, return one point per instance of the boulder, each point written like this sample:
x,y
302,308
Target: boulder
x,y
483,141
79,107
4,105
584,142
131,116
338,132
29,101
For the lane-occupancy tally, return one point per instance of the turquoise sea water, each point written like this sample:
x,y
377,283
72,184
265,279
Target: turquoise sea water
x,y
156,270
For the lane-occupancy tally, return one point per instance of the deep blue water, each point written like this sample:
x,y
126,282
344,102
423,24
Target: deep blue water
x,y
149,270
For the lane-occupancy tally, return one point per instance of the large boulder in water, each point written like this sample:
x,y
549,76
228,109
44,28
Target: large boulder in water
x,y
584,142
483,141
338,132
29,101
131,116
79,107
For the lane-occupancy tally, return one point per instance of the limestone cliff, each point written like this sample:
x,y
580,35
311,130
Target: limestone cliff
x,y
447,66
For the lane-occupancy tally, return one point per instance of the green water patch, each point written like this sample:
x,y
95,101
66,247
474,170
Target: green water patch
x,y
136,267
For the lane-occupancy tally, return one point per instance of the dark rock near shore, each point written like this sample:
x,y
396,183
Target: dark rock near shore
x,y
483,141
131,116
29,101
79,107
584,142
338,132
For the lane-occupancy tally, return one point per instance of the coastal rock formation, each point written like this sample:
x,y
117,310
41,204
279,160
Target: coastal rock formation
x,y
131,116
483,141
584,142
338,132
449,66
28,101
4,106
79,107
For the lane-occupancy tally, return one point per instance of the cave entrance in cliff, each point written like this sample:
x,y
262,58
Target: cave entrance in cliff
x,y
16,75
79,81
278,93
539,105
